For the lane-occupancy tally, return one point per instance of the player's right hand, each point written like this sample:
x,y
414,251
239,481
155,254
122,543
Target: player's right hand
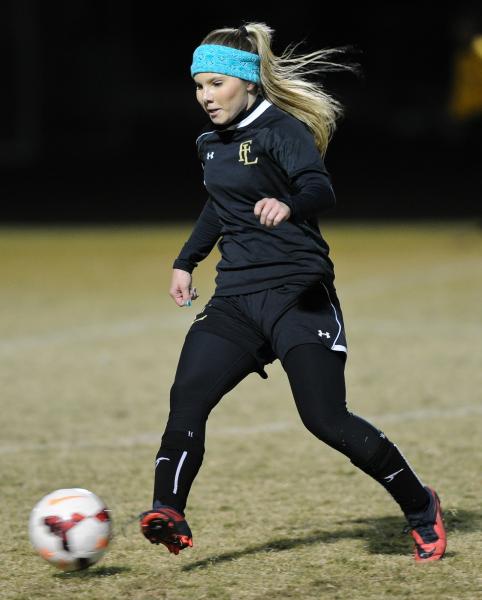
x,y
181,290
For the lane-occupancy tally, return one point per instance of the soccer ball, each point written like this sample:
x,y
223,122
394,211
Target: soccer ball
x,y
70,528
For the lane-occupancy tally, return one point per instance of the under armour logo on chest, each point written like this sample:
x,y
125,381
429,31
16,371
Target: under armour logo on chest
x,y
209,155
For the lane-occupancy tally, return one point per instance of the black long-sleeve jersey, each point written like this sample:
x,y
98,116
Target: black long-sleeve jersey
x,y
264,153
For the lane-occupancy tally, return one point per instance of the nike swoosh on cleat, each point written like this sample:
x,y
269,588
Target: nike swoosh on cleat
x,y
425,553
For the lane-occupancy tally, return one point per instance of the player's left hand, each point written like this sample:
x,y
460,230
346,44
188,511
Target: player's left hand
x,y
271,212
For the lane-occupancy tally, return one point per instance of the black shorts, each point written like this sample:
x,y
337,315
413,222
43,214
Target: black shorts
x,y
267,324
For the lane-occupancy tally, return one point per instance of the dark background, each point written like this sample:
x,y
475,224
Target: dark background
x,y
98,115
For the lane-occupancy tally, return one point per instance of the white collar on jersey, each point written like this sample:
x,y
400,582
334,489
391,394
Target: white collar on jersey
x,y
254,115
249,119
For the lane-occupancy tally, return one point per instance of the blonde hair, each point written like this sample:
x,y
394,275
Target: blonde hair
x,y
283,78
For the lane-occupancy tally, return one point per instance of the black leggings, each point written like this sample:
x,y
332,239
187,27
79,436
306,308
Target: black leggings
x,y
210,366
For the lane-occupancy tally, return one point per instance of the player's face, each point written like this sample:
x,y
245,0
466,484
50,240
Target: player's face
x,y
223,97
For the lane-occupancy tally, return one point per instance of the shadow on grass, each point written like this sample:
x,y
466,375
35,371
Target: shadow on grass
x,y
91,573
382,536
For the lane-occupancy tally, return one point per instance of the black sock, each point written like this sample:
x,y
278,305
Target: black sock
x,y
177,464
389,467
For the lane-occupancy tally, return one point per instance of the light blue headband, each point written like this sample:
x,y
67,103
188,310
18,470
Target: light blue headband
x,y
214,58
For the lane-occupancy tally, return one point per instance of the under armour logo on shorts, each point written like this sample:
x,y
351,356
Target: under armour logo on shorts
x,y
322,333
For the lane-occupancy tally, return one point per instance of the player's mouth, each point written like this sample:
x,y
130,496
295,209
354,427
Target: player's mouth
x,y
214,112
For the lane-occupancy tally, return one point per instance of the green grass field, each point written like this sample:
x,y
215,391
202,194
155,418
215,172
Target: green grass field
x,y
89,345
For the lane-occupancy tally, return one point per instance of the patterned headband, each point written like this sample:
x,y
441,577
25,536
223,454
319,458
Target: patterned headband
x,y
214,58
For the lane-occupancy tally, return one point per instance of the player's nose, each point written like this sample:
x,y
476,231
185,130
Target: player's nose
x,y
207,96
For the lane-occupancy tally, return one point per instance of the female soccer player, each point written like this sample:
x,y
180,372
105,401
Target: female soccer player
x,y
262,154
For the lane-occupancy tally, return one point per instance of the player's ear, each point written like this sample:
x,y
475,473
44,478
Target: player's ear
x,y
250,86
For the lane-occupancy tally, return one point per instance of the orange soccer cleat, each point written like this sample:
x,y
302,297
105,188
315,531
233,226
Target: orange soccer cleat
x,y
428,531
165,525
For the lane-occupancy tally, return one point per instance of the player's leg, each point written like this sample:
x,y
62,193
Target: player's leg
x,y
316,376
209,367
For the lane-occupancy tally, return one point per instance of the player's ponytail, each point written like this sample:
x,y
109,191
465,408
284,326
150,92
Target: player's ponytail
x,y
284,79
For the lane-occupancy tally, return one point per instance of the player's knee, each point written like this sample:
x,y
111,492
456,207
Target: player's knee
x,y
330,429
186,392
190,405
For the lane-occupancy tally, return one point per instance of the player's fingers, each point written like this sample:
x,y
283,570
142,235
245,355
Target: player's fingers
x,y
264,214
175,294
182,296
270,216
186,296
263,205
258,207
283,215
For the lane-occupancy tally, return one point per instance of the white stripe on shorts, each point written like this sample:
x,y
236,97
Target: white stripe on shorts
x,y
334,346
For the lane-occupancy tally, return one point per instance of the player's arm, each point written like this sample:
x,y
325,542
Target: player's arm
x,y
295,151
314,195
204,236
